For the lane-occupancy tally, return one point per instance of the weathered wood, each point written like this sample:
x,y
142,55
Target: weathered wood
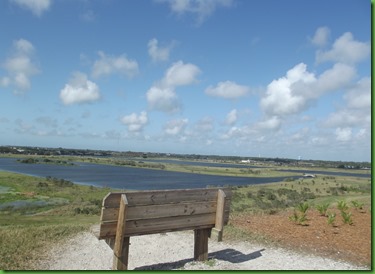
x,y
148,212
121,248
161,225
201,244
220,218
121,263
163,197
160,211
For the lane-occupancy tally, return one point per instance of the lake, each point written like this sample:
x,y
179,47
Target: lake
x,y
121,177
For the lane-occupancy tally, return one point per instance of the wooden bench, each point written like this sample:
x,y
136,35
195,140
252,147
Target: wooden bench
x,y
127,214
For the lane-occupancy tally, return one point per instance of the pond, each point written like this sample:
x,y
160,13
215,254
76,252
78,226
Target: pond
x,y
121,177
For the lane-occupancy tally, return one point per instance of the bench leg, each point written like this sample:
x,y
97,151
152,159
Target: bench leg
x,y
201,244
121,263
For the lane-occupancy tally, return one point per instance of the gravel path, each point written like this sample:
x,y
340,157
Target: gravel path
x,y
175,250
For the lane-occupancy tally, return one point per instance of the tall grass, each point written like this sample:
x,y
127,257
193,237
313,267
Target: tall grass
x,y
22,247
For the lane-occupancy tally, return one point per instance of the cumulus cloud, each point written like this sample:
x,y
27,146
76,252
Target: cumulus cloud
x,y
79,90
273,123
280,99
202,9
135,122
343,134
359,96
180,74
162,99
231,118
175,127
345,50
227,90
162,96
37,7
20,66
108,64
293,93
157,53
321,36
356,111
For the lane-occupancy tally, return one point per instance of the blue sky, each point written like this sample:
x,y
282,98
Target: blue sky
x,y
226,77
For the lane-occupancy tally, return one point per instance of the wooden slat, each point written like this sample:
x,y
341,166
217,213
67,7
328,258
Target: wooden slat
x,y
219,221
163,196
159,211
121,226
150,226
121,248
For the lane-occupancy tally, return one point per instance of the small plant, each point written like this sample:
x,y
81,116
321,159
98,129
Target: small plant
x,y
322,209
301,217
331,218
342,206
357,204
347,217
303,207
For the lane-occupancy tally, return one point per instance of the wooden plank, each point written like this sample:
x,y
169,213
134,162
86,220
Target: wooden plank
x,y
220,218
122,262
120,250
201,244
160,211
149,226
162,197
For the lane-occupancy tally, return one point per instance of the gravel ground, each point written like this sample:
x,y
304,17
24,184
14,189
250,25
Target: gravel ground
x,y
175,251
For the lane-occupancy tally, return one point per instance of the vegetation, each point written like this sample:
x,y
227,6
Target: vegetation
x,y
38,212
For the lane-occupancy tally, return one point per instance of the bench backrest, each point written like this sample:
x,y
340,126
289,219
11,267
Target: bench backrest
x,y
149,212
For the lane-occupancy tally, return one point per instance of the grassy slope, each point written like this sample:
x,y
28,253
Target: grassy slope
x,y
26,233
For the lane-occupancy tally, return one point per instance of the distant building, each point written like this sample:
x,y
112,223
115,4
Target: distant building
x,y
307,175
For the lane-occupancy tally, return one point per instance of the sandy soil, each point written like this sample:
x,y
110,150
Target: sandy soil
x,y
175,251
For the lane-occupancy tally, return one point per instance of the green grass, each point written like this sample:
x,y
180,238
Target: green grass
x,y
27,233
23,246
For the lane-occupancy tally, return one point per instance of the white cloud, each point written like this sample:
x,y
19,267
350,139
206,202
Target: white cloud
x,y
135,122
162,96
337,77
227,90
201,8
204,125
231,118
175,127
294,93
158,53
321,36
162,99
79,90
180,74
345,50
20,66
280,99
273,123
37,7
108,64
359,97
343,134
356,112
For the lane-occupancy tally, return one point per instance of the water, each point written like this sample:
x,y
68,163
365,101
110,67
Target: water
x,y
120,177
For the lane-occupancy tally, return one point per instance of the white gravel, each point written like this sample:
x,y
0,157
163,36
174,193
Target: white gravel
x,y
175,251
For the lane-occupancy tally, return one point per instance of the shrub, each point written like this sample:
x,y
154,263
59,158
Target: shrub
x,y
342,206
322,209
347,217
331,218
357,204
